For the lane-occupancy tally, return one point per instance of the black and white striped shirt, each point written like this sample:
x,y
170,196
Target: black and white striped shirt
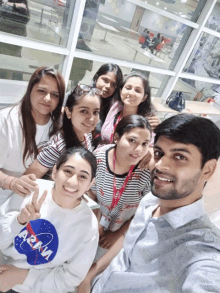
x,y
55,147
138,185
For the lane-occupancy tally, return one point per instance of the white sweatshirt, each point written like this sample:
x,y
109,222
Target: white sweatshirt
x,y
58,249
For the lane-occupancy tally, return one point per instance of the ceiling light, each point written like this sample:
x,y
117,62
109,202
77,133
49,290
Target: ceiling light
x,y
183,1
165,8
157,3
180,13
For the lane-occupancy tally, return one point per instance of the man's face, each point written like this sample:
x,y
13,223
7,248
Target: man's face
x,y
176,170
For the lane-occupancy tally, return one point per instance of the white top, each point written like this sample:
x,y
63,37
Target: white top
x,y
58,249
177,252
11,144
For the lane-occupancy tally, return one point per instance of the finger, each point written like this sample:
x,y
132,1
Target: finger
x,y
26,214
106,245
41,200
28,184
25,187
32,178
3,267
31,209
35,216
35,196
21,191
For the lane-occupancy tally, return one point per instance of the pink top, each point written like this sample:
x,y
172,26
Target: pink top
x,y
108,126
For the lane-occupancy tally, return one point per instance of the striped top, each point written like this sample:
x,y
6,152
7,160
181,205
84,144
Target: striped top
x,y
138,185
55,147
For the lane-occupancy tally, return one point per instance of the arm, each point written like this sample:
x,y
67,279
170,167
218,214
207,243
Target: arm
x,y
203,276
37,169
12,223
100,265
108,238
23,185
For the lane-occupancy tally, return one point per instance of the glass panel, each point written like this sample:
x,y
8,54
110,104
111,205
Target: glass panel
x,y
18,63
204,59
198,90
188,9
114,28
44,20
83,71
214,20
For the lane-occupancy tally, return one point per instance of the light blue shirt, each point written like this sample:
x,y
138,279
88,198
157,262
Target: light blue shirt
x,y
177,252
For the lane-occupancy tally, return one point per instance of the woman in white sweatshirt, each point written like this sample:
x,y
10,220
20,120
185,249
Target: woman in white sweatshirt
x,y
50,244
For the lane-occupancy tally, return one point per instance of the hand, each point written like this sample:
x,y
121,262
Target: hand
x,y
84,287
154,121
23,185
32,211
108,239
144,163
11,276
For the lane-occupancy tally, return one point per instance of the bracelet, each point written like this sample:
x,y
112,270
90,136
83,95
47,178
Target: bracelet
x,y
11,182
2,187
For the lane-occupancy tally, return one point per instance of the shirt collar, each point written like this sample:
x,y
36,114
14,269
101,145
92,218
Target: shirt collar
x,y
183,215
180,216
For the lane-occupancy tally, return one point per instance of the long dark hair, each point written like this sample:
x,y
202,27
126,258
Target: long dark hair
x,y
107,102
28,123
70,136
145,108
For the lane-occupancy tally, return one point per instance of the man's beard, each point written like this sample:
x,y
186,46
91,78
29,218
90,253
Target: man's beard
x,y
172,193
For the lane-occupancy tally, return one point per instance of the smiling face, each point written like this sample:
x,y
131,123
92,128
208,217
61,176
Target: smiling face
x,y
176,170
84,115
72,180
132,93
107,83
44,99
132,146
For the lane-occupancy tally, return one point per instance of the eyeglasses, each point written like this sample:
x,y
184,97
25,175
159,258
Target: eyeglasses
x,y
82,88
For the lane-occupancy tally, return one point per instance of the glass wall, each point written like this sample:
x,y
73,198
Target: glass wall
x,y
43,20
114,29
187,9
204,59
18,63
196,90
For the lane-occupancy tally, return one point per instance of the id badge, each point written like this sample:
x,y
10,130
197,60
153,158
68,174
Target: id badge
x,y
105,221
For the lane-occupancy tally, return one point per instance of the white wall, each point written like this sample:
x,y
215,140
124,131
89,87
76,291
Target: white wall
x,y
117,9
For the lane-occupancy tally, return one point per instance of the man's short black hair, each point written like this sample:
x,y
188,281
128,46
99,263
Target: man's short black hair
x,y
191,129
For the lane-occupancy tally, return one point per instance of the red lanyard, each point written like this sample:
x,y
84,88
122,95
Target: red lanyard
x,y
117,193
116,123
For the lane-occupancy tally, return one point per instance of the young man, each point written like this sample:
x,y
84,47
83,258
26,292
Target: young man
x,y
171,245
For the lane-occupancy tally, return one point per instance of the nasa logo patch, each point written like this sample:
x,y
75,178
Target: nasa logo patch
x,y
38,241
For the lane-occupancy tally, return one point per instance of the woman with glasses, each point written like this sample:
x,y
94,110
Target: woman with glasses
x,y
26,127
79,119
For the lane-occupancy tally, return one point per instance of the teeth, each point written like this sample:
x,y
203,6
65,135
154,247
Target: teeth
x,y
70,189
164,179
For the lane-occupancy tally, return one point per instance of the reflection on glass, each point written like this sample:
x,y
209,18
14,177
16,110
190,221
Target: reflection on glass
x,y
83,71
214,20
44,20
198,90
18,63
117,29
183,8
204,59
